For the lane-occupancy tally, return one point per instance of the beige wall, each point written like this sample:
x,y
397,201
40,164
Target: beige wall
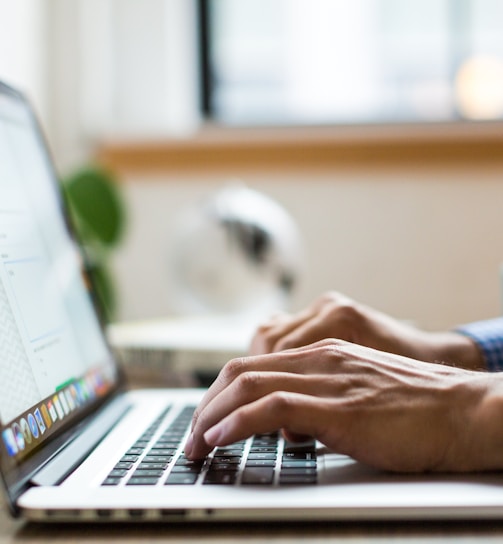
x,y
420,242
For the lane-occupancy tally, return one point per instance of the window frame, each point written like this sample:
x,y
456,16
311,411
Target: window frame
x,y
207,81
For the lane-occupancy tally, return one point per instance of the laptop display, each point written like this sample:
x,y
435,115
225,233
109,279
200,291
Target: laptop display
x,y
54,362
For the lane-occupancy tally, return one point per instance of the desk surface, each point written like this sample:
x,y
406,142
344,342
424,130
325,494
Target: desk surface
x,y
19,531
467,533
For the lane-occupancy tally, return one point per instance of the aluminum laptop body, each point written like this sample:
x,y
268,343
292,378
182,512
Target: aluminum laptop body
x,y
76,445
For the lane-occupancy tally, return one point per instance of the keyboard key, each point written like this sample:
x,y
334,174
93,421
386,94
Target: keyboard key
x,y
220,478
181,479
264,449
224,467
296,455
258,475
129,458
187,462
122,464
142,472
299,464
309,446
256,456
297,479
111,481
157,459
162,451
226,460
261,463
229,453
298,471
153,466
117,473
135,451
195,469
140,480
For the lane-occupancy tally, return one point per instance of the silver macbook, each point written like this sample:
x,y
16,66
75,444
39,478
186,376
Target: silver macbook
x,y
76,445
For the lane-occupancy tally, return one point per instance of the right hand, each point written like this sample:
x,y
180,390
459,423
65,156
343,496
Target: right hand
x,y
334,315
388,411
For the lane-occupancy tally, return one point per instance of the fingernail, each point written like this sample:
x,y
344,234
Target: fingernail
x,y
189,445
213,435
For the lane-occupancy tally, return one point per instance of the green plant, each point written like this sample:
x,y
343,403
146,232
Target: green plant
x,y
98,215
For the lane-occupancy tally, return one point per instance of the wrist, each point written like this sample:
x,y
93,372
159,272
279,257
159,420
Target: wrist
x,y
457,350
487,444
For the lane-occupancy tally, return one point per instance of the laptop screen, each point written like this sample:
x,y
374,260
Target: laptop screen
x,y
54,361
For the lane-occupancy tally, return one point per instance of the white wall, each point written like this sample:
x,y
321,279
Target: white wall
x,y
125,68
422,244
23,51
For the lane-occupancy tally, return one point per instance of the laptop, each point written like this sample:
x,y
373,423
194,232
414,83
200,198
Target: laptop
x,y
76,445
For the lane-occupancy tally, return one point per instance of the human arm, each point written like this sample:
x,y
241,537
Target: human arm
x,y
385,410
488,336
334,315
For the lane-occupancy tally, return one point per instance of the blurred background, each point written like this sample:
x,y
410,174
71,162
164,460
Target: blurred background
x,y
376,124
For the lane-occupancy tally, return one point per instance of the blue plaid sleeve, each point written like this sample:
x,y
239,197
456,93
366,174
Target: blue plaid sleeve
x,y
489,337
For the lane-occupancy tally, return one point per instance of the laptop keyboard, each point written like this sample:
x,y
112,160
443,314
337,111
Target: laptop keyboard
x,y
157,458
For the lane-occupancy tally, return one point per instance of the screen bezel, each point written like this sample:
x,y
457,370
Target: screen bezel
x,y
16,477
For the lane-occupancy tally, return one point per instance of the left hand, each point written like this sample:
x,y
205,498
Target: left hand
x,y
334,315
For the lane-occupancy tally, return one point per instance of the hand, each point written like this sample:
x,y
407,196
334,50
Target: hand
x,y
336,316
385,410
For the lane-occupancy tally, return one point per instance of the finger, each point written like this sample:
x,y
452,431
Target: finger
x,y
248,388
268,334
300,361
310,331
294,437
296,413
319,320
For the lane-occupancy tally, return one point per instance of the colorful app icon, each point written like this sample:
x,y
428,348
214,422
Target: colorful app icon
x,y
33,426
73,392
59,409
52,411
25,429
40,421
62,399
80,392
85,392
10,442
18,435
46,416
99,384
69,399
90,387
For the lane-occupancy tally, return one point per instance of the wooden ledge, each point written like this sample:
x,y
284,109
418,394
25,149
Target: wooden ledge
x,y
226,149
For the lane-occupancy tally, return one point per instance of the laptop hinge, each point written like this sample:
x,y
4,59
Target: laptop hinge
x,y
67,459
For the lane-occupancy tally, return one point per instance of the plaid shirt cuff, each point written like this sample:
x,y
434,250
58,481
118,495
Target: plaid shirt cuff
x,y
489,337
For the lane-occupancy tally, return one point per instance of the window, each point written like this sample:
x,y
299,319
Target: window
x,y
363,61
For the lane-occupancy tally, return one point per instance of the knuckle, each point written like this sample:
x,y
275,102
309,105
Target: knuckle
x,y
234,368
249,381
264,328
332,350
269,337
279,402
264,339
331,297
347,314
284,344
198,423
195,417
